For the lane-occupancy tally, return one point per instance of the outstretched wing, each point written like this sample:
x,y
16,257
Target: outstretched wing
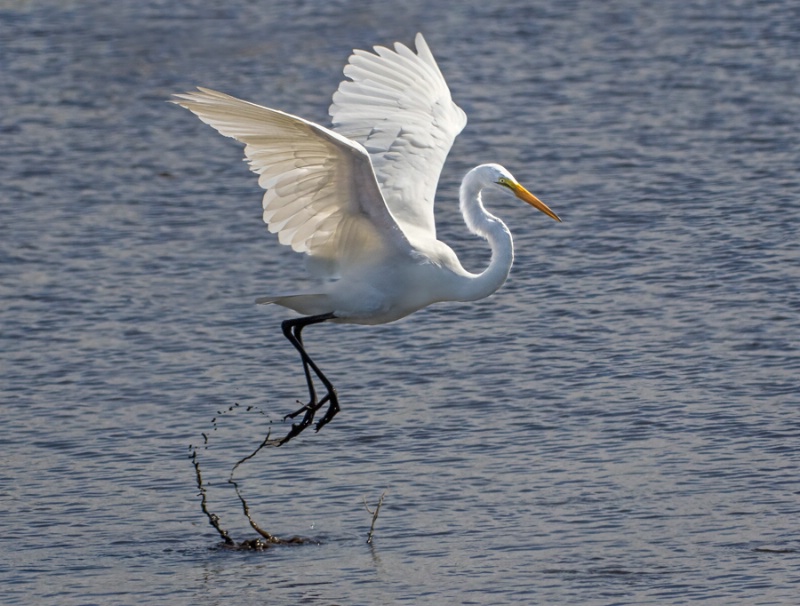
x,y
322,197
397,105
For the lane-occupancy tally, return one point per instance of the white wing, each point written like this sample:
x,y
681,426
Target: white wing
x,y
398,106
322,197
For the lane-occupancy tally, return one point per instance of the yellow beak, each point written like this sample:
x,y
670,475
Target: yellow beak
x,y
526,196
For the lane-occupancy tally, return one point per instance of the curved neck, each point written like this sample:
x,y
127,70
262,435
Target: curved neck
x,y
487,226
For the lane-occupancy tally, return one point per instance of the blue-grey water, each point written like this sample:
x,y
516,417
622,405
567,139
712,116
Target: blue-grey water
x,y
620,424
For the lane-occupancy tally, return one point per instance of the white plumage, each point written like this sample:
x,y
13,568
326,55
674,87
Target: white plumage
x,y
358,198
398,106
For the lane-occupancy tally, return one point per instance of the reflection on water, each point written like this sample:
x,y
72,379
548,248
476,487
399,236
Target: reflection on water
x,y
617,425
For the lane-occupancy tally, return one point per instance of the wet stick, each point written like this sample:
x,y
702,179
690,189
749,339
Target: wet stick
x,y
270,538
213,519
374,515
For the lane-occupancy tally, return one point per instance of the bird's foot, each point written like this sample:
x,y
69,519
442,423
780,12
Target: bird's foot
x,y
310,410
312,407
333,408
296,430
303,408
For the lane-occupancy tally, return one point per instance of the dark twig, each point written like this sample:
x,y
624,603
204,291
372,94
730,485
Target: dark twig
x,y
374,515
213,519
270,538
265,442
246,508
267,540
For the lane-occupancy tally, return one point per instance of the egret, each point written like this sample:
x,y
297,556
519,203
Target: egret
x,y
357,199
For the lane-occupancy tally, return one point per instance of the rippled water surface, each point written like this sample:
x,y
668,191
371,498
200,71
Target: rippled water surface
x,y
618,425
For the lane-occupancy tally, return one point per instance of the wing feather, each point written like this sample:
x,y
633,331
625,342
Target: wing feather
x,y
322,196
396,104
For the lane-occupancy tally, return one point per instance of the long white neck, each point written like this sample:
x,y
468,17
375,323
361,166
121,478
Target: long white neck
x,y
484,224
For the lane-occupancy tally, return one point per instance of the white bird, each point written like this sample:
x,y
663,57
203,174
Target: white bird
x,y
358,199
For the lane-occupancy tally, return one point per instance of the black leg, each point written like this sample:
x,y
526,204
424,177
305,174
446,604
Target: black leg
x,y
297,330
292,330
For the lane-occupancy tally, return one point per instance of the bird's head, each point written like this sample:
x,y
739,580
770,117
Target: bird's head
x,y
494,174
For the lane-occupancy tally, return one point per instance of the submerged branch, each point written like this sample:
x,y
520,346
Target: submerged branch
x,y
213,518
270,538
266,442
267,540
374,515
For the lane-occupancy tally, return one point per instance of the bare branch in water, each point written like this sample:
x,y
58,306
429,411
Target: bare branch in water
x,y
213,519
266,442
251,544
374,515
270,538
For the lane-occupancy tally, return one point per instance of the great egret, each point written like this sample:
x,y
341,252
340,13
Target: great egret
x,y
358,199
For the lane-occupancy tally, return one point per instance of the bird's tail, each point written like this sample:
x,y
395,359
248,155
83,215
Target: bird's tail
x,y
308,304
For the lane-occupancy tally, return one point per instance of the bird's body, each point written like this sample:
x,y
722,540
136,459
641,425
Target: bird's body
x,y
358,199
386,287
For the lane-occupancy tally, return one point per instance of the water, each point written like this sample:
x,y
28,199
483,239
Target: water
x,y
618,425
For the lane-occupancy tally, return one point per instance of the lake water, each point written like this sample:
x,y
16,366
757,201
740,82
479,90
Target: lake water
x,y
619,424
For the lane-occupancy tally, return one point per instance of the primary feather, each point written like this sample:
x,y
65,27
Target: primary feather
x,y
398,106
322,196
